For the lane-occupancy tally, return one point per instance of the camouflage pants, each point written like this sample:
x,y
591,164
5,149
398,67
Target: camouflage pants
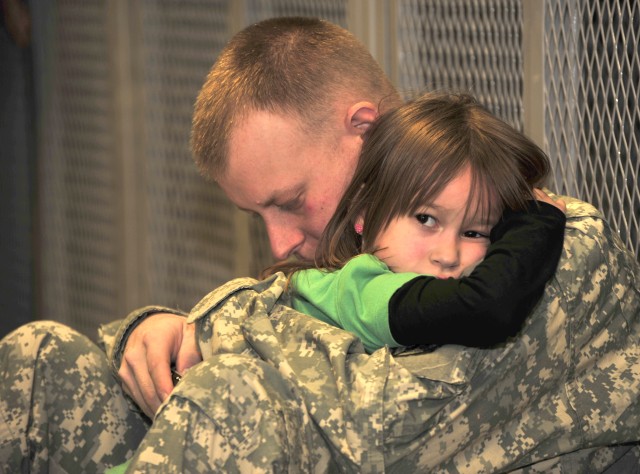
x,y
233,413
61,410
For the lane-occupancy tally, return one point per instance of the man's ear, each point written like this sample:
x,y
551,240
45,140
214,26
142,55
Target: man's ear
x,y
359,116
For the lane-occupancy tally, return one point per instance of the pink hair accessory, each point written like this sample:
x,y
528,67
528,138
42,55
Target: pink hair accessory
x,y
359,228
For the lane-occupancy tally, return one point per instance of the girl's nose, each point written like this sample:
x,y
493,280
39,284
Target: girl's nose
x,y
446,254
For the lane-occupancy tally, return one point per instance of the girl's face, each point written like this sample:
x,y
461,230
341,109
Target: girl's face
x,y
437,240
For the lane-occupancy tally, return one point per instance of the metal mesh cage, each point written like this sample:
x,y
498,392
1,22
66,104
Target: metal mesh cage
x,y
592,117
466,45
190,240
78,182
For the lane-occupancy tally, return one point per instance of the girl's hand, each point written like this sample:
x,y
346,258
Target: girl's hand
x,y
540,195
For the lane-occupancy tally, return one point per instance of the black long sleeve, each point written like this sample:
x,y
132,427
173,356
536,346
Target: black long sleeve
x,y
490,304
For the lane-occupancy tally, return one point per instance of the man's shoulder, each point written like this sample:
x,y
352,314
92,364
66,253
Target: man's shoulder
x,y
239,293
577,209
591,246
583,220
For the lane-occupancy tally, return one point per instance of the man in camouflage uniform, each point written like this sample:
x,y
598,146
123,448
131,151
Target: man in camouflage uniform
x,y
279,391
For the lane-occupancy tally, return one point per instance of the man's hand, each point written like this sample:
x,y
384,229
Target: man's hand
x,y
151,348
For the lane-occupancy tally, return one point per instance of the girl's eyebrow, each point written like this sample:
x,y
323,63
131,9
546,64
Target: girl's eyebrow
x,y
481,221
431,206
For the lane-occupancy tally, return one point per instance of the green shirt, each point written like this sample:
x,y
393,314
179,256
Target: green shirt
x,y
355,298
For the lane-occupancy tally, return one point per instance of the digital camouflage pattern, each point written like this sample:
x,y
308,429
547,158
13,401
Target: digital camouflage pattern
x,y
61,410
281,392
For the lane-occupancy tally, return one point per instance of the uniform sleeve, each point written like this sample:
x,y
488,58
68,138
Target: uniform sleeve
x,y
492,303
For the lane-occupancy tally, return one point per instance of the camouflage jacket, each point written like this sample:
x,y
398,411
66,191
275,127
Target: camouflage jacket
x,y
562,396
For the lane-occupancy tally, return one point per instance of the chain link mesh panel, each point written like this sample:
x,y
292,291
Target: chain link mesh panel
x,y
77,176
463,44
592,117
191,240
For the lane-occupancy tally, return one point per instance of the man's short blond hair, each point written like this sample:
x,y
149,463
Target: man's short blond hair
x,y
291,66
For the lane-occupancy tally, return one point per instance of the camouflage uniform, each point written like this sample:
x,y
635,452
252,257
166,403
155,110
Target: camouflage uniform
x,y
61,410
279,391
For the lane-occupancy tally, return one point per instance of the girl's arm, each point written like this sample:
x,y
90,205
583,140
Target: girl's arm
x,y
492,303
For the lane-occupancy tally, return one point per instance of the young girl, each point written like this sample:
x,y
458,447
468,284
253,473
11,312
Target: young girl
x,y
438,238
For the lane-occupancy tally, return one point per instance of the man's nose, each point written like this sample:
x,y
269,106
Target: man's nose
x,y
285,241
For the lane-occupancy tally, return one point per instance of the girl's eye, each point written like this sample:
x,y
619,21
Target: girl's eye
x,y
426,220
472,234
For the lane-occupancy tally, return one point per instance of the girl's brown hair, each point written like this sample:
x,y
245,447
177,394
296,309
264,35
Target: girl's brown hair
x,y
408,157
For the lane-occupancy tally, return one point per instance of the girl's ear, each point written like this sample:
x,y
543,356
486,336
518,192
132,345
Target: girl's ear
x,y
359,116
359,225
